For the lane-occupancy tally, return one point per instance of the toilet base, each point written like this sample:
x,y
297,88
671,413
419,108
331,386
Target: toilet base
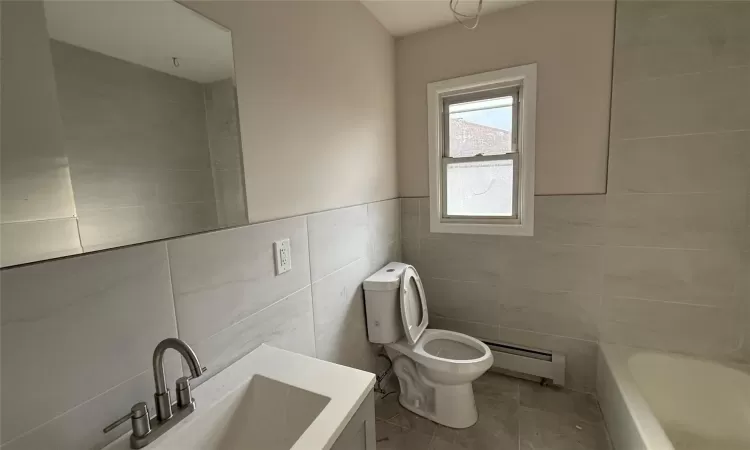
x,y
452,406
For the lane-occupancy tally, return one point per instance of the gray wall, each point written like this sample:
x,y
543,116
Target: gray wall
x,y
36,198
78,334
656,262
138,149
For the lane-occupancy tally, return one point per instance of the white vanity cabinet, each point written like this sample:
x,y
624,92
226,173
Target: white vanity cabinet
x,y
359,433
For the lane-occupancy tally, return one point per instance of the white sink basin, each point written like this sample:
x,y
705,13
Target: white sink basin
x,y
269,400
266,414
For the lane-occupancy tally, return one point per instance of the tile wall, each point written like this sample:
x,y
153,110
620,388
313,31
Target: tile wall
x,y
661,260
78,333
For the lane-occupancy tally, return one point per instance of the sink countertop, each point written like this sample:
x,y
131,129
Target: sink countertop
x,y
346,387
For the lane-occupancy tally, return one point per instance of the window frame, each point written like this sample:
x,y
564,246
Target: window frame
x,y
521,83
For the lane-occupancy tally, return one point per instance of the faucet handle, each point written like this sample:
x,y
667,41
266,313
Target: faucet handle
x,y
139,418
182,388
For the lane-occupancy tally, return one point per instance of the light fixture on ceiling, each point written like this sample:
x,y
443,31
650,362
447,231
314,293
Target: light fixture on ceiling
x,y
465,19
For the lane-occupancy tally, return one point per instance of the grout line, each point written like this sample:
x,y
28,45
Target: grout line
x,y
502,282
715,192
256,313
665,136
677,75
697,305
309,279
689,249
520,329
346,266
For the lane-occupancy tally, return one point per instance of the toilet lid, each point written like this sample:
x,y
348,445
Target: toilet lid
x,y
413,305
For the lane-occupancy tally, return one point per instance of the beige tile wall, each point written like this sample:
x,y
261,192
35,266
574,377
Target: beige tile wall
x,y
661,260
544,291
78,333
680,173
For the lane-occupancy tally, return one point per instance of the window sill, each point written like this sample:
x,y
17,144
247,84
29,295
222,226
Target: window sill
x,y
500,229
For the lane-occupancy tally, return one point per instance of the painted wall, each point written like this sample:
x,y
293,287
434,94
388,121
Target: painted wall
x,y
315,82
572,44
657,261
310,117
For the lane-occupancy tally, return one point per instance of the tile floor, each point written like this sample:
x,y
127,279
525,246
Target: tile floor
x,y
513,415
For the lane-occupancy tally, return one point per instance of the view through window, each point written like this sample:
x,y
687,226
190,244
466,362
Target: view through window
x,y
480,155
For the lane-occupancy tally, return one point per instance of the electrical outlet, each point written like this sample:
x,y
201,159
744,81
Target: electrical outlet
x,y
282,252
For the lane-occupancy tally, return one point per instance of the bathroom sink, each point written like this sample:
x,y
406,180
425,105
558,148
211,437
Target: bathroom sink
x,y
271,399
265,415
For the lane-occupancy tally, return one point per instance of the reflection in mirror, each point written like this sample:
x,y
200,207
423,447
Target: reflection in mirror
x,y
119,126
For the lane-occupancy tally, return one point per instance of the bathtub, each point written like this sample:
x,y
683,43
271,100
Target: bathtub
x,y
661,401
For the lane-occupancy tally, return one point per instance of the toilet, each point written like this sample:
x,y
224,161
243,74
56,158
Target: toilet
x,y
435,368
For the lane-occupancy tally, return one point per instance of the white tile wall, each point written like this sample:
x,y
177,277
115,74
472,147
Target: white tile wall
x,y
676,220
680,327
78,333
286,324
570,219
221,278
704,102
75,328
697,163
703,277
672,38
340,324
346,225
340,327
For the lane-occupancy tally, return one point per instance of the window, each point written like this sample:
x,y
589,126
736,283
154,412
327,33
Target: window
x,y
481,143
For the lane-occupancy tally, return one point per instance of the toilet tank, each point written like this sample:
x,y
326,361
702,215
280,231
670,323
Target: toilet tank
x,y
382,304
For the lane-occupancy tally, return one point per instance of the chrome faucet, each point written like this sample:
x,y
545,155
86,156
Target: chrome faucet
x,y
162,397
145,428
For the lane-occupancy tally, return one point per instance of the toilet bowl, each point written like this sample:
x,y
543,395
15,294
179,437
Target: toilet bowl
x,y
435,368
446,363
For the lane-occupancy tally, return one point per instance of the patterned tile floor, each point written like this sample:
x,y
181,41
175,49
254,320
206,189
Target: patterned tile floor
x,y
513,415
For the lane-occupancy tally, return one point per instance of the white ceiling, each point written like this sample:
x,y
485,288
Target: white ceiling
x,y
148,33
402,17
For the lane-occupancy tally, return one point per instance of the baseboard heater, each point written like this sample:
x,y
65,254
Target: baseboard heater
x,y
540,363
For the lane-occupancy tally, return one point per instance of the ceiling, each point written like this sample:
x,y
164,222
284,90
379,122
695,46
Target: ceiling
x,y
148,33
402,17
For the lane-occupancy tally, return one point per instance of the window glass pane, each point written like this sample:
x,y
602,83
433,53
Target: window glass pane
x,y
480,127
480,188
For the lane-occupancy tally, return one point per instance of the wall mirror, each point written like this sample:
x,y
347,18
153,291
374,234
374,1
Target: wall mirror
x,y
119,126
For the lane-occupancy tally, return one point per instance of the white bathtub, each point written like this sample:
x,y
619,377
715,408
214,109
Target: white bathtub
x,y
660,401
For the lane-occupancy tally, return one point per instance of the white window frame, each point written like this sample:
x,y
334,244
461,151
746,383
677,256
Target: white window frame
x,y
524,79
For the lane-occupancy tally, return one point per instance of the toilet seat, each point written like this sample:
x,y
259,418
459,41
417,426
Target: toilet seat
x,y
419,354
414,318
413,303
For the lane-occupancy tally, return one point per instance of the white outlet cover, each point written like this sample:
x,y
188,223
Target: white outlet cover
x,y
282,254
